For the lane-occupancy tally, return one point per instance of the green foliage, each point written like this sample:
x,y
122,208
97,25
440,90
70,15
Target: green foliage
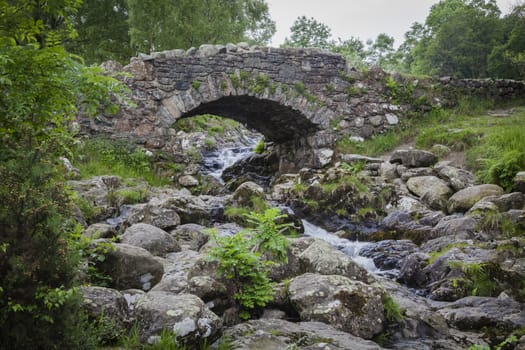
x,y
393,314
103,31
196,84
116,198
246,271
268,233
244,257
503,170
479,275
456,139
308,32
260,147
89,211
101,156
163,25
43,88
39,306
512,339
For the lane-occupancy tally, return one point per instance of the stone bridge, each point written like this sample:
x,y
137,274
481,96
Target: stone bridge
x,y
301,99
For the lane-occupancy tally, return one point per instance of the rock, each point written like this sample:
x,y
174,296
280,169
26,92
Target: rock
x,y
509,201
131,267
463,200
357,158
176,268
191,236
323,157
457,178
519,182
151,238
413,158
474,313
432,190
244,193
153,214
108,305
347,305
389,254
460,227
273,334
184,314
407,173
321,258
200,210
100,230
388,171
188,181
411,271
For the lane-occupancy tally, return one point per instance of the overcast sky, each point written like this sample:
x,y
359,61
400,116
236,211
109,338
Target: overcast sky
x,y
364,19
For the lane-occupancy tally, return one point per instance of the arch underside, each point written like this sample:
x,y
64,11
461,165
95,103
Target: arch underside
x,y
275,121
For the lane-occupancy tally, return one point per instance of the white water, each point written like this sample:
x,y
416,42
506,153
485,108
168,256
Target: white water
x,y
350,248
216,162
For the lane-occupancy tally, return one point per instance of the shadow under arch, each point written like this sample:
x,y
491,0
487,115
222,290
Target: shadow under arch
x,y
277,122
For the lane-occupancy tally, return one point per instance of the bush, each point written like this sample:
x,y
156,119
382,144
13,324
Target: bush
x,y
502,170
39,306
260,147
243,259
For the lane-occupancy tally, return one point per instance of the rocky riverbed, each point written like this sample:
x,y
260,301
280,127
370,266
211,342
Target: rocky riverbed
x,y
407,230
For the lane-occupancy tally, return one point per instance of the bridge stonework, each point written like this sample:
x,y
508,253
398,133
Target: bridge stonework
x,y
301,99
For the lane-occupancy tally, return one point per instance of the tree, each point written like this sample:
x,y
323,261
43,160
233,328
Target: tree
x,y
103,31
41,84
507,60
352,49
308,32
457,39
381,51
165,24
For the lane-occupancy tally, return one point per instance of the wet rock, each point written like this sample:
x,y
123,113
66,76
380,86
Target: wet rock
x,y
273,334
411,271
432,190
131,267
151,238
463,200
414,158
321,258
348,305
184,314
191,236
389,254
474,313
457,178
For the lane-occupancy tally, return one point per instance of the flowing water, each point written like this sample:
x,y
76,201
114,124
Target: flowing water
x,y
350,248
214,164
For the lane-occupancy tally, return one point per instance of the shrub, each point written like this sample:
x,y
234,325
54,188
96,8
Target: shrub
x,y
243,259
259,147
